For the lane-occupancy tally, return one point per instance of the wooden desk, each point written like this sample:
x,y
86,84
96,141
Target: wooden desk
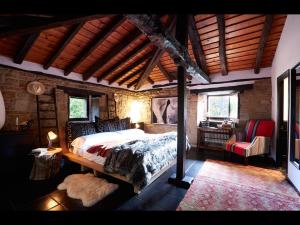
x,y
212,138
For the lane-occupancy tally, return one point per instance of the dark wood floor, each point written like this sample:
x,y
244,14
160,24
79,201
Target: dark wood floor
x,y
22,194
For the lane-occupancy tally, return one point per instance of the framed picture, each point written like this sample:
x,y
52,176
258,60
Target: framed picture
x,y
164,110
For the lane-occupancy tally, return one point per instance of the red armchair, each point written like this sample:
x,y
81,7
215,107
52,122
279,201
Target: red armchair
x,y
256,141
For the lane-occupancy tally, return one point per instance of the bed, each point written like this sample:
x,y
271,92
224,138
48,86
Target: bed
x,y
130,155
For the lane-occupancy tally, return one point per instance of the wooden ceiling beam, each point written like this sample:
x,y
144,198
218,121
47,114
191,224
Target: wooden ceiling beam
x,y
165,72
25,26
222,45
157,55
25,48
67,39
117,76
262,43
133,82
150,80
125,59
97,41
112,53
132,75
196,44
151,26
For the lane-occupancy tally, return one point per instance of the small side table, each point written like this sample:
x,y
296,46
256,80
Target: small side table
x,y
46,163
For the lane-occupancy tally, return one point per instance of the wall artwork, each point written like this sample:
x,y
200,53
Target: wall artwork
x,y
164,110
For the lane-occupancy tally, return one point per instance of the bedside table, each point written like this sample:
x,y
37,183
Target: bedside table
x,y
46,163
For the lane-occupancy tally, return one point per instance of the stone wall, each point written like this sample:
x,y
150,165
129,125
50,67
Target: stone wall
x,y
19,103
254,103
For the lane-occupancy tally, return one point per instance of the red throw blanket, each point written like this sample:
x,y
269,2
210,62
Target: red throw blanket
x,y
99,150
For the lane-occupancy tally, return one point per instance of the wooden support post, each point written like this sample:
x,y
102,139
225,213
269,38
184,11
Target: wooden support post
x,y
180,179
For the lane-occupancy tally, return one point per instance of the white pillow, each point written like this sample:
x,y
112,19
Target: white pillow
x,y
94,139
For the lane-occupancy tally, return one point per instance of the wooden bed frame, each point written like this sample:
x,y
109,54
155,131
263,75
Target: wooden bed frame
x,y
100,168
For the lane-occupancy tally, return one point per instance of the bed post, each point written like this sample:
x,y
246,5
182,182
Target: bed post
x,y
180,179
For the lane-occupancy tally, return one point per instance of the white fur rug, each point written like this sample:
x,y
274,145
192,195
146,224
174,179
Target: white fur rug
x,y
87,187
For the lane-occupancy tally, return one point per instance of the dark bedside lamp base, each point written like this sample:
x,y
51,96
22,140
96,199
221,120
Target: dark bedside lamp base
x,y
184,183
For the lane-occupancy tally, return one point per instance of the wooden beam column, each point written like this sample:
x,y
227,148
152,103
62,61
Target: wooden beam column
x,y
262,42
180,179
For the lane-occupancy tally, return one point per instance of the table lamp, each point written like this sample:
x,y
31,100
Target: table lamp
x,y
51,136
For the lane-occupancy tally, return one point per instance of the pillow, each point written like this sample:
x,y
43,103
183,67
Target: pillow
x,y
75,130
124,124
106,125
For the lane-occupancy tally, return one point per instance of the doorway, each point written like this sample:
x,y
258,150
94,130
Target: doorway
x,y
282,118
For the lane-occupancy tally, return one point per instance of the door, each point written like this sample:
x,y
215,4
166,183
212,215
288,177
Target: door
x,y
293,129
282,120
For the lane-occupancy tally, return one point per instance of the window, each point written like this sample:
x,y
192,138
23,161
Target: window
x,y
223,106
78,108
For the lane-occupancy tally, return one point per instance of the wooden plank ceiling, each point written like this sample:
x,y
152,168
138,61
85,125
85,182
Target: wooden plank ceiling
x,y
111,48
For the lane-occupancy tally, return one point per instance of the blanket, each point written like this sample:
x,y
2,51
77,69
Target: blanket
x,y
140,159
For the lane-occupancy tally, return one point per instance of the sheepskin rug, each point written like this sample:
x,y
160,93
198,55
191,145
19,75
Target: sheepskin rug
x,y
87,187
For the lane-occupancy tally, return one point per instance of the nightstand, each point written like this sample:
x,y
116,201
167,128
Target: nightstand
x,y
46,163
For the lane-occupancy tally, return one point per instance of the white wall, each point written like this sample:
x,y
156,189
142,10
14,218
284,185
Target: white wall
x,y
287,56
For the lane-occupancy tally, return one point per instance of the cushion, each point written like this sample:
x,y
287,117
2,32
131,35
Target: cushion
x,y
124,123
106,125
74,130
259,128
238,148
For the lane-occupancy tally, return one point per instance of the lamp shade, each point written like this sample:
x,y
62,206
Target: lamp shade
x,y
51,135
36,88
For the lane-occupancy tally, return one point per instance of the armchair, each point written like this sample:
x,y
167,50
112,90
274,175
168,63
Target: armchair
x,y
255,141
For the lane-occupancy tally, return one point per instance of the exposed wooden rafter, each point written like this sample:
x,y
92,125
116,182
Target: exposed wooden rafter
x,y
161,37
22,52
125,59
68,38
196,44
22,27
117,76
165,72
108,29
262,42
132,75
222,46
112,53
157,55
133,82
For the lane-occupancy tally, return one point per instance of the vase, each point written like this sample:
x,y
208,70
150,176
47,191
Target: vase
x,y
2,111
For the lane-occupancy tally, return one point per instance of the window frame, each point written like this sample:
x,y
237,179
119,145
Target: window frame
x,y
224,118
87,105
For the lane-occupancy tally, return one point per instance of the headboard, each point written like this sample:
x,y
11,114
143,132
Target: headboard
x,y
77,129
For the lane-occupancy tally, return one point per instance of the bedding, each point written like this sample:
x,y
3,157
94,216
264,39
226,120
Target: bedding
x,y
139,160
81,145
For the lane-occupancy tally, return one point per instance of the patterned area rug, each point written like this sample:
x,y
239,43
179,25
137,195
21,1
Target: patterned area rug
x,y
228,186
